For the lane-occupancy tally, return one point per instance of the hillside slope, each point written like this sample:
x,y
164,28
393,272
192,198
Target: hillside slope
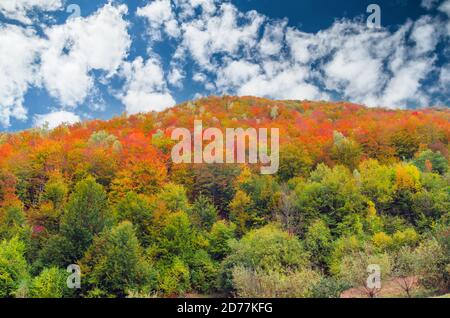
x,y
355,186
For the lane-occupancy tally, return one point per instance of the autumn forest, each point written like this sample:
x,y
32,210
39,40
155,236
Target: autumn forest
x,y
355,187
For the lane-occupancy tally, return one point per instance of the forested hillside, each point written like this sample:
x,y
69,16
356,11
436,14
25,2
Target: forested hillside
x,y
356,186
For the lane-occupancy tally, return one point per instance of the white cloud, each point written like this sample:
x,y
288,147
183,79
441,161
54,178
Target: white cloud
x,y
237,73
429,4
18,52
300,44
19,9
425,34
54,119
176,77
220,33
290,83
145,89
159,14
404,86
445,7
444,83
354,72
74,49
272,41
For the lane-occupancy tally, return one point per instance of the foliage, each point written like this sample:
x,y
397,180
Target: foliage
x,y
250,283
50,283
13,266
430,161
268,248
86,216
114,263
355,186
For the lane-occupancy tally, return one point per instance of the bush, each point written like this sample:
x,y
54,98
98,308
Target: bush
x,y
266,249
175,278
250,283
51,283
114,263
13,266
429,161
203,213
203,272
354,268
222,232
329,287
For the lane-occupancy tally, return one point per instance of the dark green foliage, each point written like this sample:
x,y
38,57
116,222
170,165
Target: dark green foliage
x,y
136,209
51,283
203,213
329,287
114,264
13,267
221,234
268,248
429,160
203,272
86,215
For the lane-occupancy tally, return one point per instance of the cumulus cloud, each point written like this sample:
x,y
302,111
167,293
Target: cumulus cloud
x,y
226,32
74,49
246,53
20,9
429,4
272,41
445,8
146,88
425,34
19,50
159,15
54,119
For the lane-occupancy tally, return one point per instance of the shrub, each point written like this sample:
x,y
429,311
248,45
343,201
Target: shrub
x,y
51,283
250,283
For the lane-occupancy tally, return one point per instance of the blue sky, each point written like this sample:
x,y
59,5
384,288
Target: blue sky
x,y
142,55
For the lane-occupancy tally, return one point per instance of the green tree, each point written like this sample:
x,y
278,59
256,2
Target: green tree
x,y
267,249
174,197
429,161
318,242
178,237
114,264
330,194
51,283
377,183
222,232
13,266
86,215
175,278
294,162
203,213
242,212
203,271
345,151
55,192
13,222
136,209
